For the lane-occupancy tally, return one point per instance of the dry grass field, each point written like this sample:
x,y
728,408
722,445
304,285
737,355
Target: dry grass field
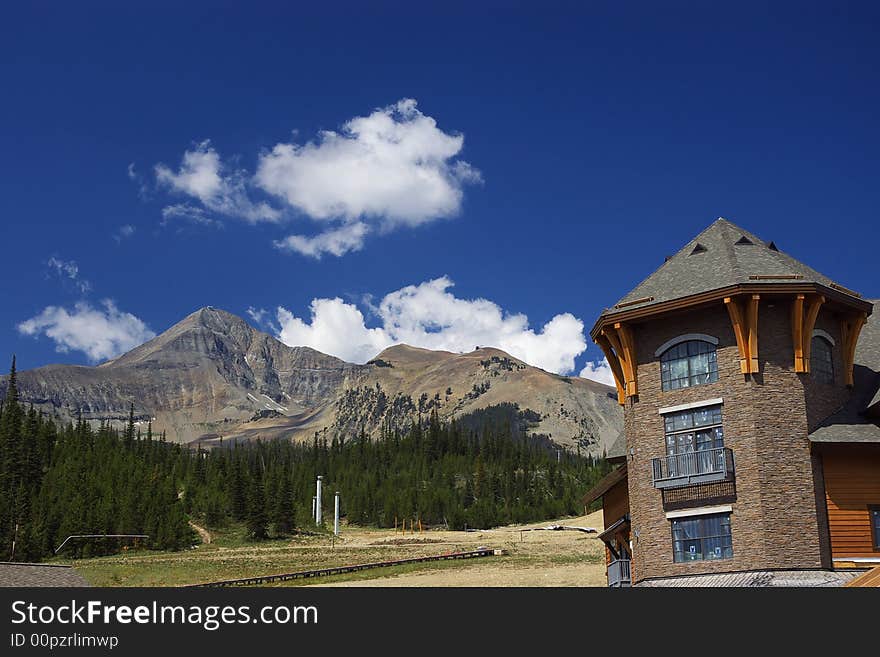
x,y
532,558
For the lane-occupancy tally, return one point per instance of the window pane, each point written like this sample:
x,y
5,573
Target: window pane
x,y
689,363
821,360
702,538
875,516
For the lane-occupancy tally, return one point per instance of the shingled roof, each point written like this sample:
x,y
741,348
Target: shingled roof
x,y
39,574
721,256
858,421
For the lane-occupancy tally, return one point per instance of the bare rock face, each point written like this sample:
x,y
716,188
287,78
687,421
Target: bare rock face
x,y
205,375
213,377
404,383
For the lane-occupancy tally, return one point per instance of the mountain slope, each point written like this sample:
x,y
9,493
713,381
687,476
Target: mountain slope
x,y
571,410
212,375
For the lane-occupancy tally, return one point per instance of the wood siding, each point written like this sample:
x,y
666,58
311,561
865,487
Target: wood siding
x,y
852,484
615,503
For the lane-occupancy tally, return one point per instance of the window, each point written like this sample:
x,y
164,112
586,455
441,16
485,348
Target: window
x,y
702,538
694,439
688,364
821,360
875,524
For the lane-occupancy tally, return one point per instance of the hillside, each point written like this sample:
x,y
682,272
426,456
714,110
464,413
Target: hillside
x,y
213,375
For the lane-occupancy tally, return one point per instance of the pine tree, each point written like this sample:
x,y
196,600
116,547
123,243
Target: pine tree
x,y
257,519
284,516
129,430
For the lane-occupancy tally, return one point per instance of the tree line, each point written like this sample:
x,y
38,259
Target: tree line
x,y
481,471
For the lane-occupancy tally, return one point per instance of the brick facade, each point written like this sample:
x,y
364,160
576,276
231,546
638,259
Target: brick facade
x,y
777,519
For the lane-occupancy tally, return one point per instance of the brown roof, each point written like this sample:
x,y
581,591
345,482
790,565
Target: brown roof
x,y
870,579
605,484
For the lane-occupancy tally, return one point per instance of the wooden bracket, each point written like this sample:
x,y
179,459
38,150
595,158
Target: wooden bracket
x,y
809,324
745,328
614,363
629,354
797,332
618,345
754,368
849,332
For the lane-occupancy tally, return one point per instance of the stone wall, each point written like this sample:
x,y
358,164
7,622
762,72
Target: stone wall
x,y
775,521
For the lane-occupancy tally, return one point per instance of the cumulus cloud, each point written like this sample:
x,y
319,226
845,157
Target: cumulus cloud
x,y
598,371
428,315
202,176
100,333
394,167
337,241
394,164
336,328
68,271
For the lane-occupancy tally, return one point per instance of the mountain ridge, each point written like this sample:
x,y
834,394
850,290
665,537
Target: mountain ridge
x,y
213,376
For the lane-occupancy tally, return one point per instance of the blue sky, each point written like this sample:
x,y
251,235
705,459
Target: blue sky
x,y
555,153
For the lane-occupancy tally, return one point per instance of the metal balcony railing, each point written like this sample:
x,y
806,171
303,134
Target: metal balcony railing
x,y
618,573
700,467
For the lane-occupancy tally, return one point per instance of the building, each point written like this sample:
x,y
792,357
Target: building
x,y
751,448
39,574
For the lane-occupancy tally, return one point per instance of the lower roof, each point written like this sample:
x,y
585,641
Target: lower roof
x,y
605,484
39,574
857,421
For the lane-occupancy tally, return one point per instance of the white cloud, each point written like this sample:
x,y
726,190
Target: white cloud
x,y
99,333
69,271
429,316
187,212
124,232
264,319
391,168
202,176
336,328
598,371
395,165
337,241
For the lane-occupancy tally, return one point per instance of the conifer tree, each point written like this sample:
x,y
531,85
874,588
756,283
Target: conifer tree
x,y
257,518
284,515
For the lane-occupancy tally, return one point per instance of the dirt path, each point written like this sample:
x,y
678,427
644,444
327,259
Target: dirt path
x,y
202,532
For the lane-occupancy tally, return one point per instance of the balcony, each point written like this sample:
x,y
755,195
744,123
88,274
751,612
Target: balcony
x,y
701,467
618,573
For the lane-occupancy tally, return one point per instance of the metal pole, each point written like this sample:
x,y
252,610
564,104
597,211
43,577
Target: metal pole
x,y
314,499
318,500
336,514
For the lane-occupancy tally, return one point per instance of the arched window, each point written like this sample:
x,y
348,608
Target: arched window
x,y
821,360
688,364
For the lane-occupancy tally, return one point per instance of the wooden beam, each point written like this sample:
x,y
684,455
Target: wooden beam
x,y
614,338
809,324
629,353
614,363
850,330
739,330
797,332
753,333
